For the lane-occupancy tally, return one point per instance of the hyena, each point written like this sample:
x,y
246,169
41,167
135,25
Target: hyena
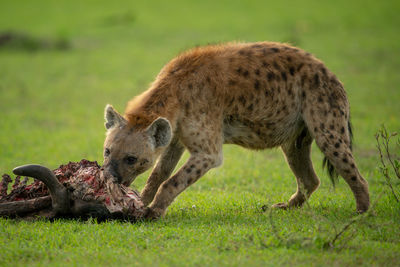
x,y
256,95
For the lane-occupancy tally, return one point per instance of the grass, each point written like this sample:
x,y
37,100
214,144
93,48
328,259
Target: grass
x,y
52,105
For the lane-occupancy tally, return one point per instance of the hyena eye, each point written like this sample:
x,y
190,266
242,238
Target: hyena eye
x,y
106,152
130,160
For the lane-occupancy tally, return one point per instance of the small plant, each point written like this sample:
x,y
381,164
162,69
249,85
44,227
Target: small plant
x,y
390,163
327,234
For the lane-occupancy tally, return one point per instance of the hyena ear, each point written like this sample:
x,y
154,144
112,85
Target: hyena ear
x,y
160,131
113,118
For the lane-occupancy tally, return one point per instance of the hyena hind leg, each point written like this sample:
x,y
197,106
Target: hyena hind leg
x,y
297,153
335,144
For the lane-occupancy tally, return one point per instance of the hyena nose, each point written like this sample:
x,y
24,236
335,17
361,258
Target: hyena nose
x,y
111,169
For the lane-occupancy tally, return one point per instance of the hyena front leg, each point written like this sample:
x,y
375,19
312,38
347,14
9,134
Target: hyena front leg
x,y
162,171
196,166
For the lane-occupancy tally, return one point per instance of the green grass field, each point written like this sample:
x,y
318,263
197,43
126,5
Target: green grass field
x,y
52,103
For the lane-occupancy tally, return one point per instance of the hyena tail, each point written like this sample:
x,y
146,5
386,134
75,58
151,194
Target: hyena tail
x,y
333,174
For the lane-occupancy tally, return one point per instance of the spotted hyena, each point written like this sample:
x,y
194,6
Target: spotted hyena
x,y
256,95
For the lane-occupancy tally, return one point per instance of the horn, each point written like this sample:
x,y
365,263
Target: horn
x,y
58,193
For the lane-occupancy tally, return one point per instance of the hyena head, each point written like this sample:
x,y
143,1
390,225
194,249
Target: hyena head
x,y
129,152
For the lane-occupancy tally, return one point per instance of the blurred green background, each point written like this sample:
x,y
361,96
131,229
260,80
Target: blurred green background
x,y
67,59
53,99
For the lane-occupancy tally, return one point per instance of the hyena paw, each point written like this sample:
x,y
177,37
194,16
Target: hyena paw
x,y
152,214
281,205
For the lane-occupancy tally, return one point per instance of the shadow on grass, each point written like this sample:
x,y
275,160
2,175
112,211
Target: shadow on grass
x,y
19,41
123,19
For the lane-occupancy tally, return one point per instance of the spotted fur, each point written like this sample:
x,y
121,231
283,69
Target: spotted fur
x,y
256,95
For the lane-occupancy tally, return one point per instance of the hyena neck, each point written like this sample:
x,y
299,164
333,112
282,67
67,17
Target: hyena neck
x,y
158,101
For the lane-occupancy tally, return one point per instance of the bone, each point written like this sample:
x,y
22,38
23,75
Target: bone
x,y
19,208
4,185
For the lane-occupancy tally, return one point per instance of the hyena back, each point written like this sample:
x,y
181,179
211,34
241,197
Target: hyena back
x,y
256,95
